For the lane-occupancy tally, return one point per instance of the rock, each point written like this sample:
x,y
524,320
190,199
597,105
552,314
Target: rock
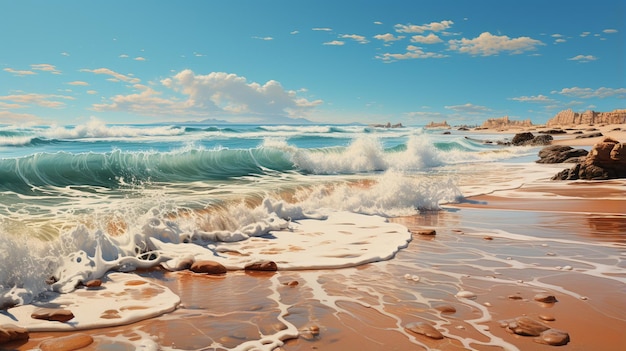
x,y
569,117
92,284
433,124
208,267
445,308
545,298
553,131
553,337
425,232
547,317
606,160
265,266
464,294
590,135
522,138
542,140
423,328
66,343
525,326
560,153
10,332
52,314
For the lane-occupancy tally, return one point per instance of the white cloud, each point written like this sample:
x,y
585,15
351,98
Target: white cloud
x,y
322,29
378,22
488,44
294,32
117,76
216,93
43,100
65,54
78,82
46,68
583,58
585,34
429,39
263,38
92,92
139,58
358,38
610,31
19,72
468,108
9,117
542,99
433,27
335,43
388,37
123,56
559,41
588,93
413,52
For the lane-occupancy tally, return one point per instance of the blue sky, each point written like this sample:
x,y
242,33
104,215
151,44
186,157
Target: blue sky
x,y
65,62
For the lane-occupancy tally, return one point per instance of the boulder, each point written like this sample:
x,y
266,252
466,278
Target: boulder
x,y
560,154
66,343
606,160
264,266
10,332
522,138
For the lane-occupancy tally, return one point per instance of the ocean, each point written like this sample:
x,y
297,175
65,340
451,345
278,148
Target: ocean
x,y
82,202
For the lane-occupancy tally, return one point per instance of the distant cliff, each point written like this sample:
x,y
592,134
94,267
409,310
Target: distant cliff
x,y
505,122
443,124
569,117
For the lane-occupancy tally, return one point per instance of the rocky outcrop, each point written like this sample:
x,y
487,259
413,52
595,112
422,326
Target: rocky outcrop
x,y
606,160
569,117
10,333
433,125
560,154
504,123
528,138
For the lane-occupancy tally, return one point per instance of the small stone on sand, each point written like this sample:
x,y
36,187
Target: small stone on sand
x,y
52,314
553,337
545,298
466,295
423,328
66,343
208,267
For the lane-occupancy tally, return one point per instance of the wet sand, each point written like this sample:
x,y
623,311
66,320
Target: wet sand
x,y
571,244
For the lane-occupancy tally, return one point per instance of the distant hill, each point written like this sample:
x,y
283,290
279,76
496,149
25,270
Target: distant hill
x,y
505,122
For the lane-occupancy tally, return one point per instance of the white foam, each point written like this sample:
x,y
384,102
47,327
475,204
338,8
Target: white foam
x,y
123,299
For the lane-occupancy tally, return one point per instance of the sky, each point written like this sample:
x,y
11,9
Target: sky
x,y
413,62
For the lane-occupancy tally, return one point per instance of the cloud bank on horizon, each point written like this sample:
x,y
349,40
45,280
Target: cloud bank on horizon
x,y
274,63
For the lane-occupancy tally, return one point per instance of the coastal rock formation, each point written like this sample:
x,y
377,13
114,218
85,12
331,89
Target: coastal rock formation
x,y
387,125
561,154
607,160
504,123
433,125
528,138
569,117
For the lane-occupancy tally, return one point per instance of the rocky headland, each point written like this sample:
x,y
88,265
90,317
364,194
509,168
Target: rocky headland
x,y
440,125
505,123
569,117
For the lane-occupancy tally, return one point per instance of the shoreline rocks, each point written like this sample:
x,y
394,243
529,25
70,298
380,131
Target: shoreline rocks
x,y
606,160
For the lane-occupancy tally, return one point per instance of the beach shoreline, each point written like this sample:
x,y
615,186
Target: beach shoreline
x,y
564,239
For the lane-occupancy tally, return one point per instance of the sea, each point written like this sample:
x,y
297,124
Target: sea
x,y
81,202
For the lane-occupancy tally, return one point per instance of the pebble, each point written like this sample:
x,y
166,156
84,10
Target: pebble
x,y
264,266
52,314
425,232
488,304
66,343
292,283
525,326
545,298
208,267
547,317
466,294
423,328
550,254
488,238
515,297
567,268
446,309
553,337
92,284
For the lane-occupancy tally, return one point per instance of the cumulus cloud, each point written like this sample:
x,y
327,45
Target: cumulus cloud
x,y
388,37
433,27
429,39
20,73
43,100
263,38
468,108
322,29
358,38
610,31
588,93
115,75
412,52
335,43
583,58
488,44
139,58
216,93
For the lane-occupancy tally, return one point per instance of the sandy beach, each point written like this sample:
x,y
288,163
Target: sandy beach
x,y
471,272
